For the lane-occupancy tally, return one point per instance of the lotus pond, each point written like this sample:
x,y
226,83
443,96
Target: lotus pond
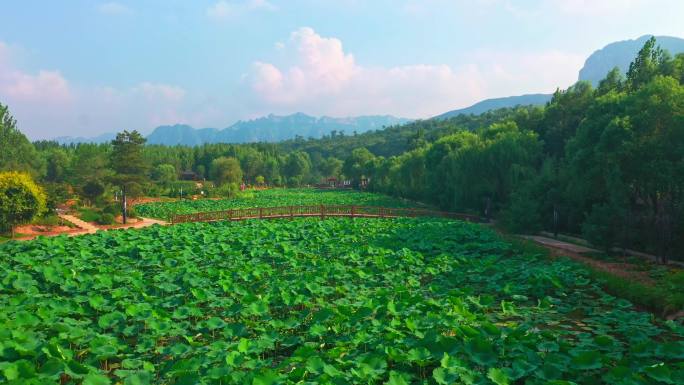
x,y
270,198
309,301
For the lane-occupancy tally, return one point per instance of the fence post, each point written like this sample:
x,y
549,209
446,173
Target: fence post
x,y
261,212
322,212
352,211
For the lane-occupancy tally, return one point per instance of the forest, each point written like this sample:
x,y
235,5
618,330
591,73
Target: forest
x,y
605,163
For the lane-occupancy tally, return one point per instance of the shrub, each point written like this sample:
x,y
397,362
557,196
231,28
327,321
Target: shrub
x,y
21,199
522,214
92,190
106,219
228,190
114,209
131,212
89,215
47,220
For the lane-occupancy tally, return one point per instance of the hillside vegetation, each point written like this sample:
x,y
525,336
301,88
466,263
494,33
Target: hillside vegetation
x,y
604,163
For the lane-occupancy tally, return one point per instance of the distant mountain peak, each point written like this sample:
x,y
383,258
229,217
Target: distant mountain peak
x,y
620,54
496,103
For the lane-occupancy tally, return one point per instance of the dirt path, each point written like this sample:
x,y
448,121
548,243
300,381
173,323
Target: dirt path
x,y
144,222
88,228
85,226
560,244
572,251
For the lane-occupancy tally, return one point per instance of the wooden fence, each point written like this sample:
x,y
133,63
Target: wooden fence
x,y
321,211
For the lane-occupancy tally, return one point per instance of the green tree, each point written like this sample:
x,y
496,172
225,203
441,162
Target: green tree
x,y
331,167
297,167
563,116
16,151
164,174
355,165
57,164
647,64
128,162
614,81
92,190
90,161
226,170
21,199
252,164
272,171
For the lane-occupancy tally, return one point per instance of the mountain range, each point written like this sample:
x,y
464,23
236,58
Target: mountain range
x,y
273,128
619,54
496,103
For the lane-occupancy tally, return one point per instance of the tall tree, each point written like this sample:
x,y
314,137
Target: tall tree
x,y
647,64
297,167
355,165
16,152
226,170
164,174
128,162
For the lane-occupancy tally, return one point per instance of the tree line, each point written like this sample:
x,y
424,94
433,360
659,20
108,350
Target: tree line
x,y
606,163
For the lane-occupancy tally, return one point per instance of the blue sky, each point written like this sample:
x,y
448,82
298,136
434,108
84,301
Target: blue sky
x,y
86,67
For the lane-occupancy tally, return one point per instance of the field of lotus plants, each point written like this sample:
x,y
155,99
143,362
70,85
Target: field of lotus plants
x,y
309,301
271,198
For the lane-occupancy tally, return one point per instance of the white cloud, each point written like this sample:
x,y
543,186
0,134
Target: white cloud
x,y
45,86
224,9
113,8
324,79
46,104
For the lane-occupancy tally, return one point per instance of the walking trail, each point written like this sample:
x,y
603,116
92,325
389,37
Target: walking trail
x,y
575,252
86,228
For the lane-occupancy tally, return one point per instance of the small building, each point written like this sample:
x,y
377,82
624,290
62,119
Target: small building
x,y
189,175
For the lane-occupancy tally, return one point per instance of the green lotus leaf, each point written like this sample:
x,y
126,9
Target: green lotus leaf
x,y
498,376
660,372
397,378
96,379
588,360
481,351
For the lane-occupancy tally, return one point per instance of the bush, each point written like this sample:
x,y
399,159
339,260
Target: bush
x,y
188,187
604,226
522,214
114,209
131,213
89,215
106,219
92,190
21,199
228,190
47,220
57,193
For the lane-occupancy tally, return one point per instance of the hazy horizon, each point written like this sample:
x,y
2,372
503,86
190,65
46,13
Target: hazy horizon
x,y
87,67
